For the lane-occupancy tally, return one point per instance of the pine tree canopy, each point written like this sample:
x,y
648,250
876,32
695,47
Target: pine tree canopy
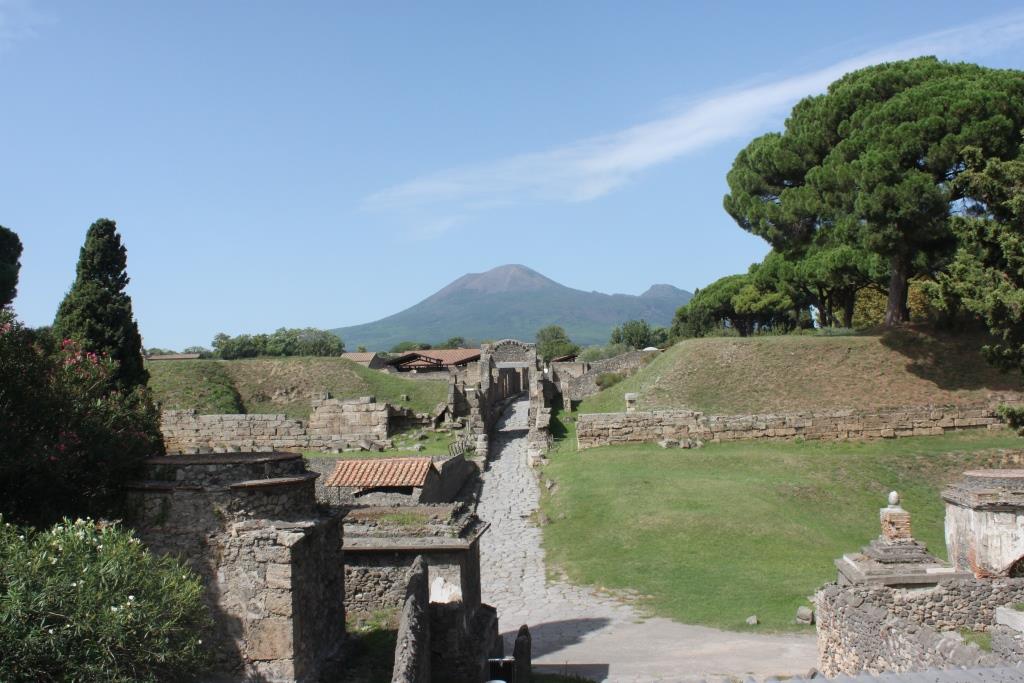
x,y
872,165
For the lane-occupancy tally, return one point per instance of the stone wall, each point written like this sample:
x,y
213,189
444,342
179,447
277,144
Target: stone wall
x,y
335,421
271,562
185,431
333,425
581,386
881,629
382,544
412,651
603,429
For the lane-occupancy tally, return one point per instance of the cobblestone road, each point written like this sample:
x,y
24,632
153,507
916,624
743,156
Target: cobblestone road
x,y
577,630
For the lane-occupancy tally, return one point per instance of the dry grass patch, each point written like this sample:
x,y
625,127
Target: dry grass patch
x,y
731,375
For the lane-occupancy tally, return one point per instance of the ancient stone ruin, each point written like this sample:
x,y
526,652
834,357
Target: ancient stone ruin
x,y
896,607
334,425
650,426
271,561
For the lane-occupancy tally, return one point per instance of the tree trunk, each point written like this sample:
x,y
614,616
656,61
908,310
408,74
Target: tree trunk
x,y
899,282
848,307
822,313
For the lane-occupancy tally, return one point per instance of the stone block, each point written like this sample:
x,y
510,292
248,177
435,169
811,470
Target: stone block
x,y
270,638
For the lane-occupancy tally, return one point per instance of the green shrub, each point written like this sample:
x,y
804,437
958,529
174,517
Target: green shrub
x,y
593,353
68,439
609,379
87,602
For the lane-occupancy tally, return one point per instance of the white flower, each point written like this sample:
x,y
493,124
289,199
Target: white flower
x,y
99,547
51,631
113,608
74,583
200,641
131,597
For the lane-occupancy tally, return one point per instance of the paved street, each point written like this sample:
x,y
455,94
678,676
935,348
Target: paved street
x,y
577,630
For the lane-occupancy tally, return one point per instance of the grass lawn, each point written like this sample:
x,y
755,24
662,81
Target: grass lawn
x,y
713,535
732,375
282,385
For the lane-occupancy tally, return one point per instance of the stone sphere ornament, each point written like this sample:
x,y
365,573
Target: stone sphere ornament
x,y
894,499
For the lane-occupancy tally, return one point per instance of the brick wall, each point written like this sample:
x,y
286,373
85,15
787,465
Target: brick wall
x,y
603,429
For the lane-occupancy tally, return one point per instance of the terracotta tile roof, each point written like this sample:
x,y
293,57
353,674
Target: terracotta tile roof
x,y
445,357
380,472
359,357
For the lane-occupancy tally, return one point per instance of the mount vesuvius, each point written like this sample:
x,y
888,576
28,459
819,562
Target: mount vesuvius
x,y
514,301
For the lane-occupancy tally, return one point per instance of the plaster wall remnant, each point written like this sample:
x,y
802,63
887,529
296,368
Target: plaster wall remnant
x,y
985,522
270,560
604,429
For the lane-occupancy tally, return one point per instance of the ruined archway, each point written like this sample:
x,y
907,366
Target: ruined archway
x,y
509,364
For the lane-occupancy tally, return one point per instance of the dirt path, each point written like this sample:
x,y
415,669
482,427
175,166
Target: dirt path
x,y
579,631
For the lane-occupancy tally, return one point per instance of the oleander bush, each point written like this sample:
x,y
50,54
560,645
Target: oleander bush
x,y
85,601
69,437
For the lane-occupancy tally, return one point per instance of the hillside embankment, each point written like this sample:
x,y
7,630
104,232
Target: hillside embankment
x,y
281,385
774,374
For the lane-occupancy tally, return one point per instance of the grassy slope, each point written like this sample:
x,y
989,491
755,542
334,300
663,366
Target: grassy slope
x,y
292,380
716,534
730,375
201,384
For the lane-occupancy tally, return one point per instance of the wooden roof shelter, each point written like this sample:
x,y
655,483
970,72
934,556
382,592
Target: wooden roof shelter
x,y
434,359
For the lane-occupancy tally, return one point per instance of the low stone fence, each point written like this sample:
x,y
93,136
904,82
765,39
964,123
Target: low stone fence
x,y
881,629
412,651
604,429
333,425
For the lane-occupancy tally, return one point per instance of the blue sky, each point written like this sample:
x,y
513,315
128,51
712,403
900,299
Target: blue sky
x,y
326,164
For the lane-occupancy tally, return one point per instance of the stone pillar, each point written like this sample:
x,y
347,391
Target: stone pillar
x,y
631,399
895,521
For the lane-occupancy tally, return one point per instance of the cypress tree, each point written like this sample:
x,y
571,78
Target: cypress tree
x,y
97,312
10,252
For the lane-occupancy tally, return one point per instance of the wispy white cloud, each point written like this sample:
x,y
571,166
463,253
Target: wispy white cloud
x,y
19,20
594,166
433,228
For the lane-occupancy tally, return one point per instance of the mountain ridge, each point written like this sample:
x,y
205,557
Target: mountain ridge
x,y
514,301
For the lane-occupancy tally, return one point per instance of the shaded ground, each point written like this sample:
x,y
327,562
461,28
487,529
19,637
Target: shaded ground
x,y
580,631
732,375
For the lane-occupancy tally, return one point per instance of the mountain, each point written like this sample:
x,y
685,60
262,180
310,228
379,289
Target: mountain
x,y
514,301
